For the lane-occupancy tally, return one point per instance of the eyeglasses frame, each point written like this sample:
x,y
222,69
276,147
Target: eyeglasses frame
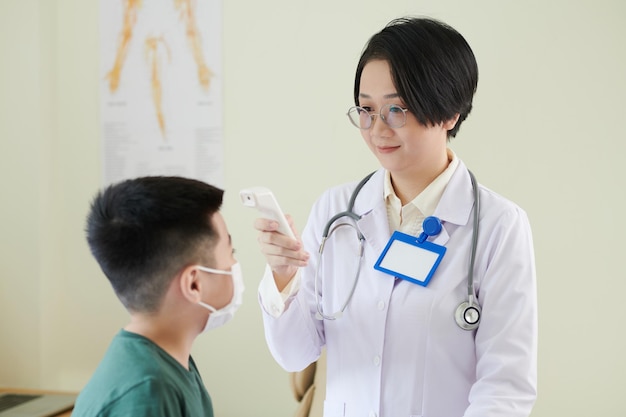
x,y
373,114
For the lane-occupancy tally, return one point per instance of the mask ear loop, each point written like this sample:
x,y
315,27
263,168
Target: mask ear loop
x,y
207,306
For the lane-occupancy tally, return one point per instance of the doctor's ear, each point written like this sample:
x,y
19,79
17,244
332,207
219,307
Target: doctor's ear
x,y
449,124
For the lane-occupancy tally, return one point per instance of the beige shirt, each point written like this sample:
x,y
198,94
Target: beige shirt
x,y
408,219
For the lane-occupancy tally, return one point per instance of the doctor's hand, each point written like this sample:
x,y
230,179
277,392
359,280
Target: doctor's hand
x,y
283,254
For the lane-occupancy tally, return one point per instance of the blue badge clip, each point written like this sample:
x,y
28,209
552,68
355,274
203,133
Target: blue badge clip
x,y
431,226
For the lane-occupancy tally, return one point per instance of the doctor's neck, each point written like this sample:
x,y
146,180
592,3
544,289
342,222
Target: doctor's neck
x,y
409,183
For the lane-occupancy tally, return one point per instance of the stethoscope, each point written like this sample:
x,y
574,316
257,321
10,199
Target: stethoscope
x,y
467,314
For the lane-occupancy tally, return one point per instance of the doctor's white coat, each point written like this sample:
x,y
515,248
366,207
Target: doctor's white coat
x,y
397,350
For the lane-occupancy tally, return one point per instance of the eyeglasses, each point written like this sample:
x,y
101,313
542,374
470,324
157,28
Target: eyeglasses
x,y
393,115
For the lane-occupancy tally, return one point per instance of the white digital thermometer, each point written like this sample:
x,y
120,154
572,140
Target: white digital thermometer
x,y
264,201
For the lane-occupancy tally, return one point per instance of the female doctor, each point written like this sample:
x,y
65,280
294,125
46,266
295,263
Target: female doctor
x,y
409,331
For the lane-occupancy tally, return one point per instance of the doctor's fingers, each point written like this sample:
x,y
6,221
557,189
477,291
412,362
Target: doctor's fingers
x,y
273,237
269,225
284,266
277,244
282,260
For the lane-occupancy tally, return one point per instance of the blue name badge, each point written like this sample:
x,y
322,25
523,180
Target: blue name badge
x,y
407,258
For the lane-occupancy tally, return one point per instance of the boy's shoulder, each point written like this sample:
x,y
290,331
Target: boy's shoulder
x,y
136,377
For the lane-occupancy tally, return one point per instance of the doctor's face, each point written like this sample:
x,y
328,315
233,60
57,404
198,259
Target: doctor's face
x,y
413,149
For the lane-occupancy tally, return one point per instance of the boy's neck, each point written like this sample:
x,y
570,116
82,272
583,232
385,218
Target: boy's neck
x,y
173,338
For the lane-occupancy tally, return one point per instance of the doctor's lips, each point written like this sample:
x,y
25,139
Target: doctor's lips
x,y
386,149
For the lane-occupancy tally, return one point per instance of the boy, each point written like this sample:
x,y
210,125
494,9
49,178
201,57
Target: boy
x,y
165,248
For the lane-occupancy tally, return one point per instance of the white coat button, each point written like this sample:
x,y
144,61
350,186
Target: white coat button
x,y
372,413
376,360
275,309
381,305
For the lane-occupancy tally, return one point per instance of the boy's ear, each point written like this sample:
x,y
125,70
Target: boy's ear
x,y
190,284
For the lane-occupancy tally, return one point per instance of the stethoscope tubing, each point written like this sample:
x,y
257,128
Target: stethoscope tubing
x,y
470,304
327,231
470,275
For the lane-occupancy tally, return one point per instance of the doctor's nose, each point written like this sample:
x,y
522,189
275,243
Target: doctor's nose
x,y
378,126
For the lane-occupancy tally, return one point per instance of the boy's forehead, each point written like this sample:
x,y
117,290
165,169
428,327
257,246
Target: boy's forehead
x,y
220,226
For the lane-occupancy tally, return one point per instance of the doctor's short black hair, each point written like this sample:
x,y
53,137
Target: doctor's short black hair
x,y
144,231
433,68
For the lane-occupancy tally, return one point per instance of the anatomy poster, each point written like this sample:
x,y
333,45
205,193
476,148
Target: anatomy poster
x,y
161,89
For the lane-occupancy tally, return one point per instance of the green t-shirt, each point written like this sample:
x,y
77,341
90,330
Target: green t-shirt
x,y
139,379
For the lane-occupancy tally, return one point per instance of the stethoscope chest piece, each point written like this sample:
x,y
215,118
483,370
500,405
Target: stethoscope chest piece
x,y
467,315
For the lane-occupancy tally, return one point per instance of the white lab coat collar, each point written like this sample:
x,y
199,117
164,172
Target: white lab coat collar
x,y
454,207
457,199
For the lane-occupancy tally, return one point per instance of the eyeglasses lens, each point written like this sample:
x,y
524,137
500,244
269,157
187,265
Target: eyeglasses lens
x,y
360,118
393,115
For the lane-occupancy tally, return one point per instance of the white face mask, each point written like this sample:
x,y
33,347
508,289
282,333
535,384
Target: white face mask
x,y
225,314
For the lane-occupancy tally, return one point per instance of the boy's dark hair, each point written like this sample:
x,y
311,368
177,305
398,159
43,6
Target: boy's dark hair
x,y
143,231
433,68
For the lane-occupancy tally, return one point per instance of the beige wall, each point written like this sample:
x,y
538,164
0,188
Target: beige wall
x,y
546,131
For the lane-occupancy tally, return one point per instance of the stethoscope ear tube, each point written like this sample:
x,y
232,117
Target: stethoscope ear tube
x,y
327,231
318,303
